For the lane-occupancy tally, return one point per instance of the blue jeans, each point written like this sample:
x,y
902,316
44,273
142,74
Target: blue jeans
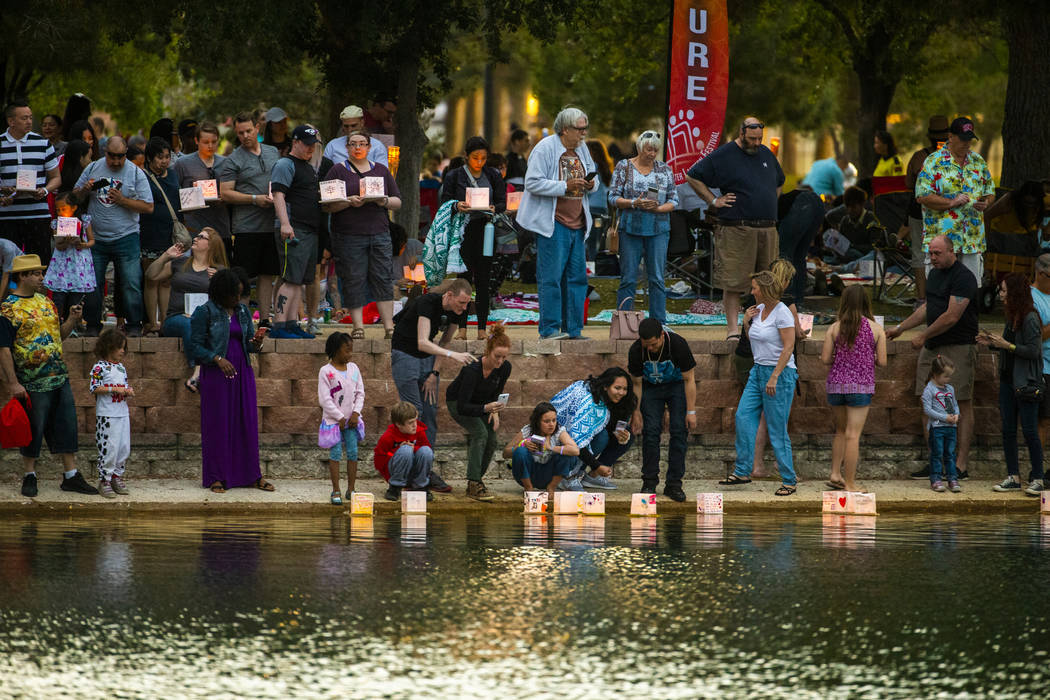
x,y
409,374
1010,409
178,326
408,468
654,398
753,403
605,447
654,249
523,466
942,448
561,271
125,255
346,448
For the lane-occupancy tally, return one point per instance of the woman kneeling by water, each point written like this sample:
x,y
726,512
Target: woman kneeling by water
x,y
543,455
597,412
770,385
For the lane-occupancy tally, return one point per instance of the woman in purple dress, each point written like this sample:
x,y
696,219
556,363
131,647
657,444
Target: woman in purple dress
x,y
221,337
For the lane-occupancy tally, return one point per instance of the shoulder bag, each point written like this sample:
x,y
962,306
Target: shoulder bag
x,y
179,233
624,324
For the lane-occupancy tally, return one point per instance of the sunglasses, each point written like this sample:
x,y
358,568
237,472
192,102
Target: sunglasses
x,y
756,125
201,237
110,154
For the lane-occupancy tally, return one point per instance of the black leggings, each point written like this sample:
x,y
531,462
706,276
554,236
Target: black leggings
x,y
479,267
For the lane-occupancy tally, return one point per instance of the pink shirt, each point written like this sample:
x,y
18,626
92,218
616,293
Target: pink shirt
x,y
853,370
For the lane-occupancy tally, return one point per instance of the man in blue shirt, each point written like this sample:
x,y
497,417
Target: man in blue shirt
x,y
749,177
827,176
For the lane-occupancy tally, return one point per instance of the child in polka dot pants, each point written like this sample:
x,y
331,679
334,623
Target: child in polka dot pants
x,y
109,386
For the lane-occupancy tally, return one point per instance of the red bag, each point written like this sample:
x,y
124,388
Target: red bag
x,y
14,424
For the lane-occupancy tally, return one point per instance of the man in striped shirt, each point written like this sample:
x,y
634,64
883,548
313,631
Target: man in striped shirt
x,y
24,216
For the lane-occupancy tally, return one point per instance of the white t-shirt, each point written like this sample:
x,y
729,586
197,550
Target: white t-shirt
x,y
104,375
765,335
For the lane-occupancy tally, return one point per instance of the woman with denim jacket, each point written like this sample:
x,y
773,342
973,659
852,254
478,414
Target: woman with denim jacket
x,y
643,189
221,337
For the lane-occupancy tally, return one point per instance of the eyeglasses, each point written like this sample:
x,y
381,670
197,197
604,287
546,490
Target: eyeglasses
x,y
755,125
110,154
581,129
201,237
358,144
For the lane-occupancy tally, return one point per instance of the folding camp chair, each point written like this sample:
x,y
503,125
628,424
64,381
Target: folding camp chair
x,y
891,208
689,251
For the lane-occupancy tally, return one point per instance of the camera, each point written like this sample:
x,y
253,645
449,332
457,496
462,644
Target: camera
x,y
100,183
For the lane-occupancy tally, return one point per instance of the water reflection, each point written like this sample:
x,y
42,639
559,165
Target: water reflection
x,y
523,606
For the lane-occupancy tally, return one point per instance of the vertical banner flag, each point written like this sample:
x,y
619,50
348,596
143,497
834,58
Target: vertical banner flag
x,y
699,82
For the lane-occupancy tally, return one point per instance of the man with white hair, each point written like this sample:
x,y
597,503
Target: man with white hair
x,y
559,173
352,118
750,178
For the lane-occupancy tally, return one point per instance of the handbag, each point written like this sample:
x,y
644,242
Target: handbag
x,y
624,324
328,435
179,233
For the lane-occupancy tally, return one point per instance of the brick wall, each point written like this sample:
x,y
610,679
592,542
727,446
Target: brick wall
x,y
165,417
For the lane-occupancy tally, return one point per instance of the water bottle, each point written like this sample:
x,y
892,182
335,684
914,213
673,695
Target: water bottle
x,y
490,236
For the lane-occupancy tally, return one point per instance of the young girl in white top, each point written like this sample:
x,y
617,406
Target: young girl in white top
x,y
341,393
109,385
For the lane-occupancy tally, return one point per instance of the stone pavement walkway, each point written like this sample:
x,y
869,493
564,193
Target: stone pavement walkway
x,y
311,495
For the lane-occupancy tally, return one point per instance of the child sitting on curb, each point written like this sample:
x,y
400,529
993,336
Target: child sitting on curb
x,y
341,393
403,456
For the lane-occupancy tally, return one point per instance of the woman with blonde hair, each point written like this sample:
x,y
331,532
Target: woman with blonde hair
x,y
474,400
770,327
189,272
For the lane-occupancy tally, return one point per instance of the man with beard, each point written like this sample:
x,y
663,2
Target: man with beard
x,y
749,178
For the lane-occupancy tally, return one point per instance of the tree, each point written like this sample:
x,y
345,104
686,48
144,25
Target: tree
x,y
1026,139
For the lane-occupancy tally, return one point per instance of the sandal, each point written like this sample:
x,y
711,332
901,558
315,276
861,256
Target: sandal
x,y
217,487
264,485
192,384
734,480
357,334
835,485
784,490
733,336
337,500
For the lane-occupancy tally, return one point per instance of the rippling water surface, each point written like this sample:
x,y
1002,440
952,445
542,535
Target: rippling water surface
x,y
463,606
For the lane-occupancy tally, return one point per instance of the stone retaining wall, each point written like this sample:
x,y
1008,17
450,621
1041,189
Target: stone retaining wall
x,y
165,417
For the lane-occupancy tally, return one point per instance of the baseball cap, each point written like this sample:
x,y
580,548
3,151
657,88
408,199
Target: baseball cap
x,y
275,114
351,112
306,134
963,128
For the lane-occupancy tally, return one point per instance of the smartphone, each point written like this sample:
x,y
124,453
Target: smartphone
x,y
622,425
504,398
590,176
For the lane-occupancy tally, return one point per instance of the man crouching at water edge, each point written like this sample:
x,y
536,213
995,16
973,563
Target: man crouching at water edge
x,y
35,372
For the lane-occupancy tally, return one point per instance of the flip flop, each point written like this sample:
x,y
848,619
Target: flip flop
x,y
784,490
835,485
264,485
734,480
734,336
217,487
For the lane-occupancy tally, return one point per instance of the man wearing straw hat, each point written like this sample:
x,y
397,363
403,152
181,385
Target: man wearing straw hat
x,y
33,370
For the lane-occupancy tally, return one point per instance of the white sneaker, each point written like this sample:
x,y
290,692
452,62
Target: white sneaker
x,y
556,336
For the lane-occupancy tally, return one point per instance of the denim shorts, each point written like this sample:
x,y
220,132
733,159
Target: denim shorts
x,y
347,446
52,417
852,400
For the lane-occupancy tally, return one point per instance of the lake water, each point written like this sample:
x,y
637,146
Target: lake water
x,y
473,606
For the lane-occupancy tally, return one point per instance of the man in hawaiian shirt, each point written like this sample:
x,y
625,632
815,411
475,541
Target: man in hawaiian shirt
x,y
954,188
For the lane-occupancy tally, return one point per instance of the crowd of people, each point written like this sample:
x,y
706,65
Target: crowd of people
x,y
188,272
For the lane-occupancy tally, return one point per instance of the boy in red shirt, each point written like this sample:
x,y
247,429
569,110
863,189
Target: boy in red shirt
x,y
403,456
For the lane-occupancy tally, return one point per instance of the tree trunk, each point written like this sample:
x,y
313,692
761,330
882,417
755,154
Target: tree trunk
x,y
876,94
411,140
1026,139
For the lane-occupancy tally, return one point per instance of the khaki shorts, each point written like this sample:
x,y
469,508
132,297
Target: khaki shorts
x,y
965,359
740,251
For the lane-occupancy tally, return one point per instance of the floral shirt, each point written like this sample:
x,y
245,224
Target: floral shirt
x,y
629,183
30,327
942,176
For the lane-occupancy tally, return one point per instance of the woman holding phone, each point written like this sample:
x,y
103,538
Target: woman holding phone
x,y
597,411
475,399
644,192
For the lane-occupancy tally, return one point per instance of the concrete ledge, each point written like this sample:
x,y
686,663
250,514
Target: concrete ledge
x,y
311,495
